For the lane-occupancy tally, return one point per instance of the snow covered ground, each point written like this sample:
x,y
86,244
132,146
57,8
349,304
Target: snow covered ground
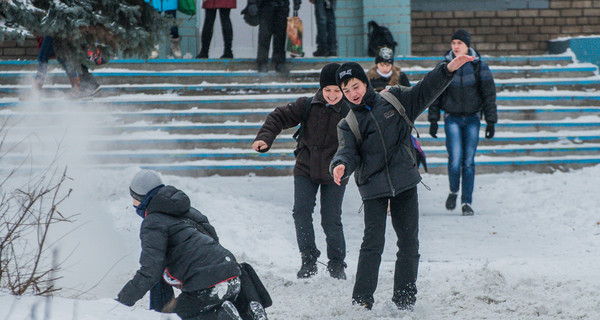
x,y
530,252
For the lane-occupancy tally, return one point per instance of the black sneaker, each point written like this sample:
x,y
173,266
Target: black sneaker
x,y
227,55
405,303
263,68
467,210
257,311
451,201
321,53
336,270
363,303
308,268
228,311
282,68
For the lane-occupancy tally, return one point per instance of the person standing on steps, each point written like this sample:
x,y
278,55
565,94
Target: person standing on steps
x,y
169,7
317,142
385,73
326,33
385,170
272,24
471,94
210,8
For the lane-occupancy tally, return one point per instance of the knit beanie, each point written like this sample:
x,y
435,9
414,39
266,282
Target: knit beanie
x,y
463,36
143,182
351,70
385,54
328,75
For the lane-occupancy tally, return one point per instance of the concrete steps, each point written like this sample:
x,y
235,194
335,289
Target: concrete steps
x,y
199,117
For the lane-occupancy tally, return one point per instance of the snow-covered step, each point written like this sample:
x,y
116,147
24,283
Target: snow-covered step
x,y
250,63
579,84
124,76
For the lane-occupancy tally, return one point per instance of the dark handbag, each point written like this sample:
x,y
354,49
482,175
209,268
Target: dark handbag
x,y
252,20
252,288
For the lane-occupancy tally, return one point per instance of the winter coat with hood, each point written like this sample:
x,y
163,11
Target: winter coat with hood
x,y
218,4
319,141
379,82
385,165
172,243
466,95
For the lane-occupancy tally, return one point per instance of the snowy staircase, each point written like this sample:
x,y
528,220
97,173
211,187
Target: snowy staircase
x,y
199,117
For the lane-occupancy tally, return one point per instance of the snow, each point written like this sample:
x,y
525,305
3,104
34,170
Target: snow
x,y
529,252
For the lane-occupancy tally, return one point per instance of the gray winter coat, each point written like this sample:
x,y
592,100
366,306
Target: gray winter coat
x,y
384,165
171,241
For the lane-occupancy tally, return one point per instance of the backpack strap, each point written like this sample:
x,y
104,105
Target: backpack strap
x,y
389,97
353,123
305,113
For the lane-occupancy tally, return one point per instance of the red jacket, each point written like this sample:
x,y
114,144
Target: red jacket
x,y
217,4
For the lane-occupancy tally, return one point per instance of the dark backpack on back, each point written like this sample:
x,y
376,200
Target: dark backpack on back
x,y
379,36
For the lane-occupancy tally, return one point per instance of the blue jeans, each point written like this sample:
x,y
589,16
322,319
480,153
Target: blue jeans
x,y
46,51
462,136
325,16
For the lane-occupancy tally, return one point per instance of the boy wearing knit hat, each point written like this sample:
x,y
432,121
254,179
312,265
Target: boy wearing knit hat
x,y
385,73
317,143
471,95
385,170
180,246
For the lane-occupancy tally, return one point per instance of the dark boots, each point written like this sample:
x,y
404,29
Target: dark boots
x,y
451,201
308,268
405,299
336,270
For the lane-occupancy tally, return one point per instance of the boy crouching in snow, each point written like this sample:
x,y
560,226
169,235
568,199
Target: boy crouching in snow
x,y
181,246
317,142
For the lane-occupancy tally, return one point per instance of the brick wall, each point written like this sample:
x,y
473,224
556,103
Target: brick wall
x,y
10,49
505,32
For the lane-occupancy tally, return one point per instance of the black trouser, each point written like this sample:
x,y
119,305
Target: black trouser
x,y
405,220
305,191
226,28
272,19
205,304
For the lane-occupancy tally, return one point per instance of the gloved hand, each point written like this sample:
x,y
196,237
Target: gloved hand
x,y
253,9
297,4
489,131
433,128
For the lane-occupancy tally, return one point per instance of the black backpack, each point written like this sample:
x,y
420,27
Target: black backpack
x,y
379,36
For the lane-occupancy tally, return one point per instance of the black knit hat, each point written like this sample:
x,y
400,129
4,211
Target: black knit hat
x,y
385,54
463,36
328,75
351,70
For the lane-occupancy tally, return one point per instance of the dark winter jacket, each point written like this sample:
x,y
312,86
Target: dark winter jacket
x,y
466,95
384,165
379,83
319,141
217,4
172,243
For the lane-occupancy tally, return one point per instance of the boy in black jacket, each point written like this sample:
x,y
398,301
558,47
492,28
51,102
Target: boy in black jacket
x,y
180,246
318,117
386,170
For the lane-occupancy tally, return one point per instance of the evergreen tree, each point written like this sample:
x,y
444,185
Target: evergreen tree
x,y
132,27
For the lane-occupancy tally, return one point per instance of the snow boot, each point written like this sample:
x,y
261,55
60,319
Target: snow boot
x,y
176,47
336,270
308,268
257,312
227,54
227,311
451,201
405,299
467,210
282,68
367,304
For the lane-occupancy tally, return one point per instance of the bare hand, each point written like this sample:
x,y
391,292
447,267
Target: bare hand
x,y
457,62
259,146
338,173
